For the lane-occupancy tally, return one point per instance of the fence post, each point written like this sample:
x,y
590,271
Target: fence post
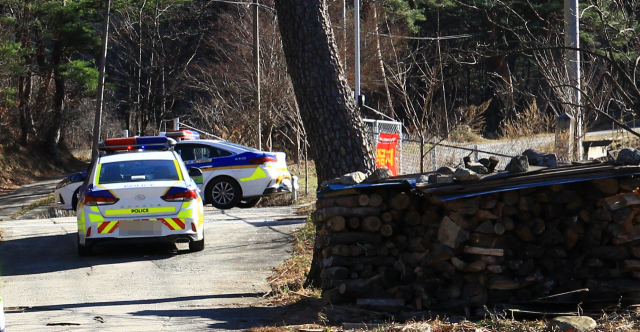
x,y
435,159
401,140
475,152
421,154
306,168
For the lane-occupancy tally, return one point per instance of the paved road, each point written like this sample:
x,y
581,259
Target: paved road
x,y
47,287
13,201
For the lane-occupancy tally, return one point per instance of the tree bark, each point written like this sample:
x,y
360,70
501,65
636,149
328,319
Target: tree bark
x,y
327,105
58,101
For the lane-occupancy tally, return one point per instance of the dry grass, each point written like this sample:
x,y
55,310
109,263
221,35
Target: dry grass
x,y
465,135
288,279
529,122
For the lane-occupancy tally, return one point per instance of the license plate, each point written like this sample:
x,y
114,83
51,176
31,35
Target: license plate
x,y
140,228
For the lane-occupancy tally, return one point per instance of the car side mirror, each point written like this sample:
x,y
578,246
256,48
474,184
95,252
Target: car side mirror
x,y
195,172
77,177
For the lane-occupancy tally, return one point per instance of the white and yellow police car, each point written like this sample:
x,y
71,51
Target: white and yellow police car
x,y
233,174
137,191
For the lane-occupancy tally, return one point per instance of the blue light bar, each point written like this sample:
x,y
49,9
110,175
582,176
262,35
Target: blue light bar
x,y
151,140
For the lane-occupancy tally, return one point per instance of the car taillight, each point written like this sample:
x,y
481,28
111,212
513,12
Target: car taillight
x,y
98,200
187,195
262,160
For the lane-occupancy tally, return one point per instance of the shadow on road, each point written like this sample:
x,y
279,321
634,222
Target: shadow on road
x,y
227,318
52,253
135,302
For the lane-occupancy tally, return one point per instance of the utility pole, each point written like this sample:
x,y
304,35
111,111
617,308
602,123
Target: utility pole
x,y
572,63
356,24
99,98
256,59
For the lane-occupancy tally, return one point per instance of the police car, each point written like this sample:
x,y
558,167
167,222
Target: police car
x,y
66,193
233,174
138,190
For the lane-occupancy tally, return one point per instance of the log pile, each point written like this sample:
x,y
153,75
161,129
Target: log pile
x,y
514,246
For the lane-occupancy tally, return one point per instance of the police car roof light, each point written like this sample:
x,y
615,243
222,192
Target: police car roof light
x,y
130,143
183,134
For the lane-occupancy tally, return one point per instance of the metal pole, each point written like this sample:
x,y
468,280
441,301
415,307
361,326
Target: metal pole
x,y
356,24
176,124
103,63
306,169
572,62
421,154
256,59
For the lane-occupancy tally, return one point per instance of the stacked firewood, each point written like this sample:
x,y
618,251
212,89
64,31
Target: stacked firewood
x,y
511,246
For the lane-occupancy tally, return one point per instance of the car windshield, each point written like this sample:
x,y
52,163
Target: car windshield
x,y
138,170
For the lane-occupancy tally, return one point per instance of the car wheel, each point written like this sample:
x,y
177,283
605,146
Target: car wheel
x,y
74,200
197,245
224,193
249,203
84,250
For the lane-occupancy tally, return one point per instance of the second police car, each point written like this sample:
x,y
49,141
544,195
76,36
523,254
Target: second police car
x,y
138,190
233,174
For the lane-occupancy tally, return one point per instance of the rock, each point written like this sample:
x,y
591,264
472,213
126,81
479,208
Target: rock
x,y
440,178
538,158
477,167
324,184
628,157
485,162
353,178
421,179
573,323
474,166
490,163
463,174
381,173
445,170
494,161
518,164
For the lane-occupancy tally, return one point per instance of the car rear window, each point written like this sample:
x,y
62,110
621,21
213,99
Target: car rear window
x,y
137,171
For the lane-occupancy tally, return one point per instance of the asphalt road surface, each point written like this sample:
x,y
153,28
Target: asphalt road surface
x,y
47,287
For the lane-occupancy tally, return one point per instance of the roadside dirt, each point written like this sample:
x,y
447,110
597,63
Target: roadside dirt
x,y
20,165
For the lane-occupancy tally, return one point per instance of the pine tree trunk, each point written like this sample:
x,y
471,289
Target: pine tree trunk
x,y
333,123
58,102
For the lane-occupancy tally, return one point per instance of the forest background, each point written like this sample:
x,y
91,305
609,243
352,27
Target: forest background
x,y
443,67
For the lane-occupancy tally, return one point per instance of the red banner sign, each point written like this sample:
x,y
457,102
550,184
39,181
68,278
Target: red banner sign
x,y
386,152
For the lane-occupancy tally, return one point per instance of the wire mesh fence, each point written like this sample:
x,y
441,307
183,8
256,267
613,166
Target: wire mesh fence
x,y
449,153
420,155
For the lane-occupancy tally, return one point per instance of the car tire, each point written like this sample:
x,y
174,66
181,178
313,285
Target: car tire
x,y
196,245
84,250
74,199
249,203
224,192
